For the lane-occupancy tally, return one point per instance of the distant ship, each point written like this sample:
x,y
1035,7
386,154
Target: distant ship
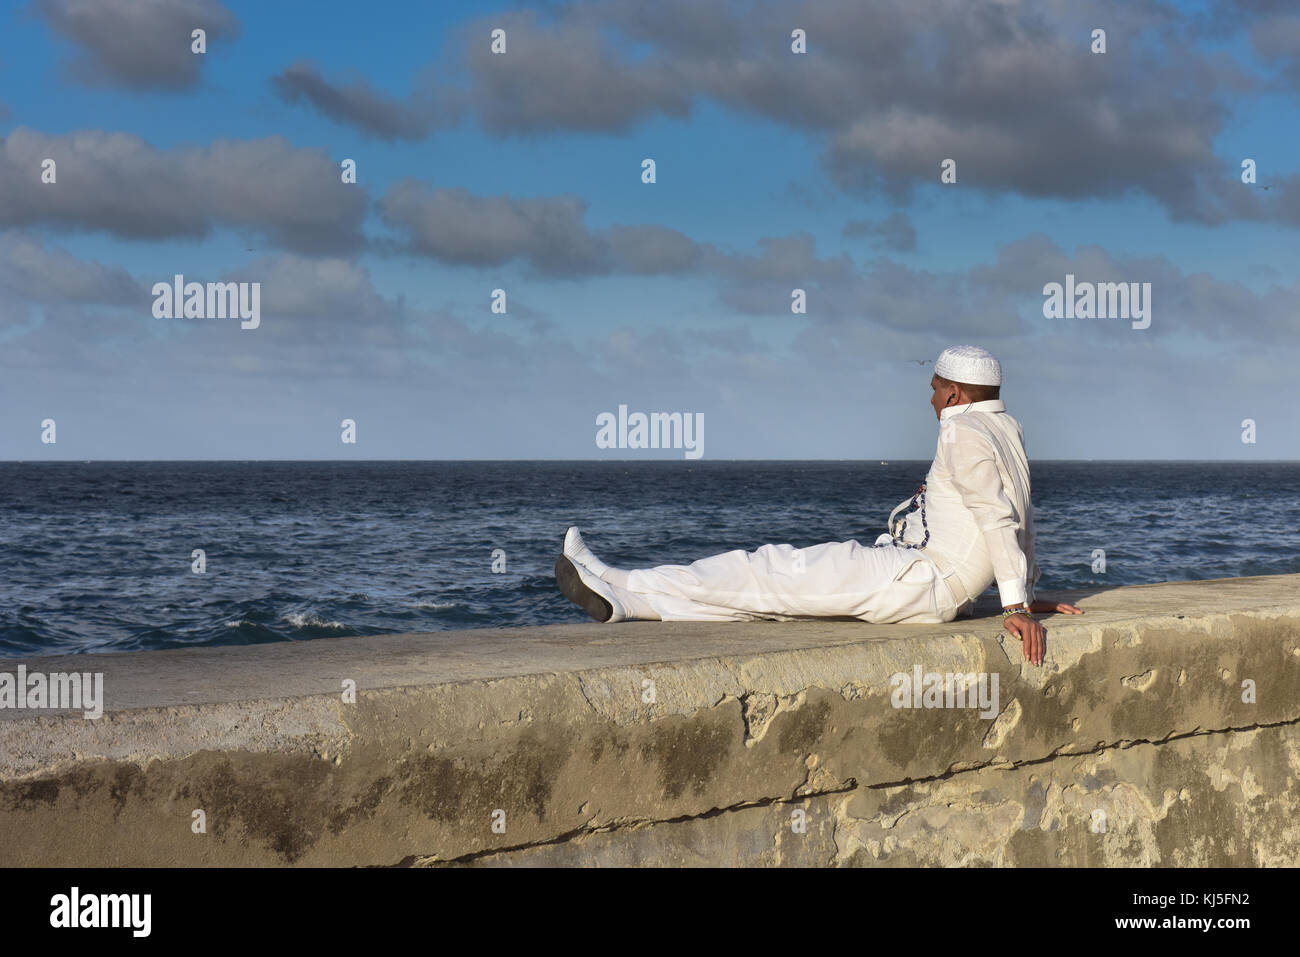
x,y
884,463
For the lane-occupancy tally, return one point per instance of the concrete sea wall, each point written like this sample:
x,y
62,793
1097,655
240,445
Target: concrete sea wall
x,y
1162,728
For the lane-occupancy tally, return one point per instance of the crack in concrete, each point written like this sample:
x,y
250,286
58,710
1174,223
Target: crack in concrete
x,y
622,824
1004,765
847,786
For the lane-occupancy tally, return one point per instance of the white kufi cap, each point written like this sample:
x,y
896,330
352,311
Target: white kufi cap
x,y
969,364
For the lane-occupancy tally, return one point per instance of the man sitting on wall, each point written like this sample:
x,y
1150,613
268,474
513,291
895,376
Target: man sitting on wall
x,y
970,524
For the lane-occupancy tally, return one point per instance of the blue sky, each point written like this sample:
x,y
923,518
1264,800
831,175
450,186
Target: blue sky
x,y
521,171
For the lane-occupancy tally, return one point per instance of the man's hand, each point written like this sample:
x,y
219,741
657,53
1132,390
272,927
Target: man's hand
x,y
1032,635
1046,607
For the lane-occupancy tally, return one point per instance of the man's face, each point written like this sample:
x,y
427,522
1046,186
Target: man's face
x,y
943,395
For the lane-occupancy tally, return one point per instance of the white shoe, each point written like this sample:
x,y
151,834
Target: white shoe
x,y
576,550
587,591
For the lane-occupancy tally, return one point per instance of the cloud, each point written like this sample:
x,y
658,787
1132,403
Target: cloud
x,y
118,183
894,232
1277,40
852,310
783,259
314,289
652,250
564,76
558,78
31,272
323,325
1011,92
457,227
1192,306
358,104
885,294
137,44
549,234
734,341
331,345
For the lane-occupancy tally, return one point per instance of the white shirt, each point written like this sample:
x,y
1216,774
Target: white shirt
x,y
977,508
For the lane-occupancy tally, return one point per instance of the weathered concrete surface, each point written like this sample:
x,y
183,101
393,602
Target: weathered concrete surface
x,y
1223,798
1137,712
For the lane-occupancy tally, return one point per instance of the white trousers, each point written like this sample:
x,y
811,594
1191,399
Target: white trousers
x,y
877,583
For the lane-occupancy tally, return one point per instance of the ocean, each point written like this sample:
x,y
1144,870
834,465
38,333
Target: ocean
x,y
99,556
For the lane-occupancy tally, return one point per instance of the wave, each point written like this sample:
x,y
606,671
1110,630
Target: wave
x,y
309,619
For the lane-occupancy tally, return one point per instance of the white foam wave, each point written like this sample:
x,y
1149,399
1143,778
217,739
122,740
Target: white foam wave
x,y
309,619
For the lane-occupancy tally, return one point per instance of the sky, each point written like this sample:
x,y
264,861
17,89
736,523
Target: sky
x,y
787,275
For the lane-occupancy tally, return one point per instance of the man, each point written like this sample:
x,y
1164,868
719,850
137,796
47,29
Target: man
x,y
970,524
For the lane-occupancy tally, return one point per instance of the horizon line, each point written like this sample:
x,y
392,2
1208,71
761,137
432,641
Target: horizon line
x,y
885,461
